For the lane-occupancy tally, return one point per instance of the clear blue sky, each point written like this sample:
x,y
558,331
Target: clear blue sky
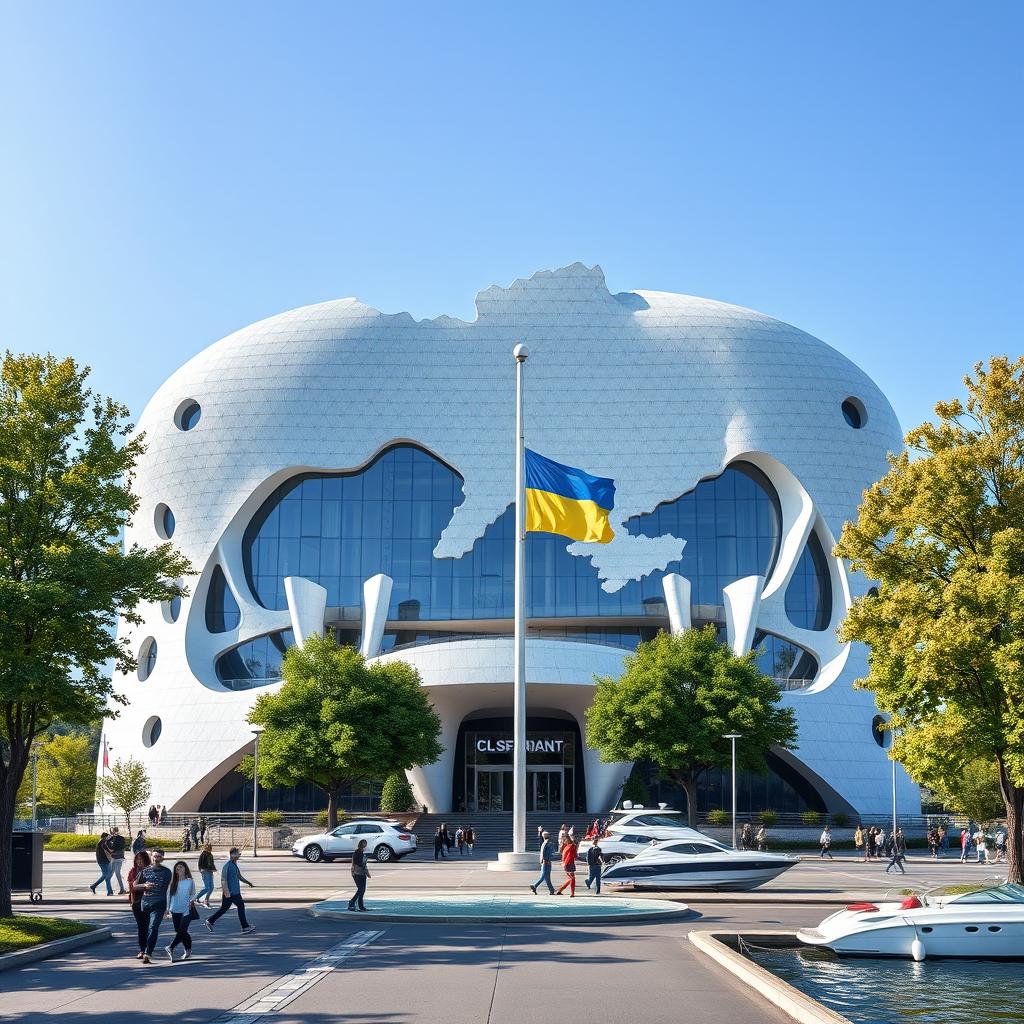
x,y
171,172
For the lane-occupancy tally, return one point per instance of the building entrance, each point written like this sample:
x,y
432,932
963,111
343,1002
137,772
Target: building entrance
x,y
545,789
484,766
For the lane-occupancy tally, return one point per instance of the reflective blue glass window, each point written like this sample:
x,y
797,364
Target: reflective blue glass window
x,y
259,659
390,515
809,594
789,665
222,613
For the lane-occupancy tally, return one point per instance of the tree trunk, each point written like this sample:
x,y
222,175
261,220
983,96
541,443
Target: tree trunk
x,y
690,789
1013,797
8,805
332,810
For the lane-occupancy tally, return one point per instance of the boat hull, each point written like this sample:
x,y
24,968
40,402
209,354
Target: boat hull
x,y
731,878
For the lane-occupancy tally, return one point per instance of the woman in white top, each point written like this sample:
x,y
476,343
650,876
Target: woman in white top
x,y
181,896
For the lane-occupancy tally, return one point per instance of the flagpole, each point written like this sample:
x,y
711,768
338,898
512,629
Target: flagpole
x,y
521,353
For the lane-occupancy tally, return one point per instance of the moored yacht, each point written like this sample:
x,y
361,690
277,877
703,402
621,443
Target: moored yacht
x,y
987,924
698,863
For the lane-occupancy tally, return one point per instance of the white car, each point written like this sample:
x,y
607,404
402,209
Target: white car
x,y
385,841
630,831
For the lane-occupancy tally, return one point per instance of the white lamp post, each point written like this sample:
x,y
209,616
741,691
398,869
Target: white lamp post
x,y
733,737
256,730
36,747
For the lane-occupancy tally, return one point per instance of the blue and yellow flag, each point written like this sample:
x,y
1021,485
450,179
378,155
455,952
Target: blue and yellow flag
x,y
567,501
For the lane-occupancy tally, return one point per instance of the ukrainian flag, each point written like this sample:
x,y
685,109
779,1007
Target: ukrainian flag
x,y
567,501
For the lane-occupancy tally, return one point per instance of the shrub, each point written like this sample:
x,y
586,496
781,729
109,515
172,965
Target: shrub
x,y
271,819
321,820
811,818
768,818
396,794
719,817
70,842
840,820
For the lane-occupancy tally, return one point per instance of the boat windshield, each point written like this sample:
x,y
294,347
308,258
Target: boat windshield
x,y
1009,892
657,821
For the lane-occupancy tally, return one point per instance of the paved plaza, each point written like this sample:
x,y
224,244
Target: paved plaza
x,y
444,972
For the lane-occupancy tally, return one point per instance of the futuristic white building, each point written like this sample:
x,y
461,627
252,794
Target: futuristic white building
x,y
338,467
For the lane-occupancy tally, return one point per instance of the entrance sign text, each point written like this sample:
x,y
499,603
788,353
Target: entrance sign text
x,y
486,746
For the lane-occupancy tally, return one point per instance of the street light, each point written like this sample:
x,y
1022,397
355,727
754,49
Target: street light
x,y
733,737
256,730
35,749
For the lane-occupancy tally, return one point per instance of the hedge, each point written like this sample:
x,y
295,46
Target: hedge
x,y
70,842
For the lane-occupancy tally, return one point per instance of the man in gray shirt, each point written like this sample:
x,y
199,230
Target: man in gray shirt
x,y
548,852
231,892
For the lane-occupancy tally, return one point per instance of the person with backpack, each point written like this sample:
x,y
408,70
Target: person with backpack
x,y
181,909
103,861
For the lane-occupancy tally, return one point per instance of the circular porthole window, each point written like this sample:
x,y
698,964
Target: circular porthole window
x,y
879,732
164,521
171,609
187,415
151,731
854,413
872,592
147,658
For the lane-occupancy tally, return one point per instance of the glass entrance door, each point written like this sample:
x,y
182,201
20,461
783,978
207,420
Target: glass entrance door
x,y
544,790
490,789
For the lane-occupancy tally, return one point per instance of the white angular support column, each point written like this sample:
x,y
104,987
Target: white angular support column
x,y
742,602
677,599
307,603
376,599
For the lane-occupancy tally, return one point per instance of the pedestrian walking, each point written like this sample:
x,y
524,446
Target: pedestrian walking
x,y
871,844
140,862
897,851
449,839
116,846
360,875
569,866
154,814
193,833
746,836
943,839
547,855
103,862
439,843
460,838
933,843
181,898
470,839
858,842
563,834
825,841
154,882
595,864
139,843
186,840
231,878
1000,842
207,867
762,839
202,829
981,844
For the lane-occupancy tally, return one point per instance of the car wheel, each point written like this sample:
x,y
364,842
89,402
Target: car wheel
x,y
384,853
314,854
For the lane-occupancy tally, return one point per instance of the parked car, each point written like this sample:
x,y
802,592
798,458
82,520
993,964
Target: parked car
x,y
385,841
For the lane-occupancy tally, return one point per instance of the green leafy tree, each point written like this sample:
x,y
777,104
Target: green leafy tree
x,y
942,534
337,720
66,461
676,698
635,789
67,773
396,794
127,787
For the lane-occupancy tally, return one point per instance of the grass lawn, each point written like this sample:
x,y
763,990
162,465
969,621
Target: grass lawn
x,y
22,932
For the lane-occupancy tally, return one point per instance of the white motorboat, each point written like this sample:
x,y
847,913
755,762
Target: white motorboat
x,y
986,924
698,863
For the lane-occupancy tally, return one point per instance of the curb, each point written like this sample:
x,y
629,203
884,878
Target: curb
x,y
43,950
790,1000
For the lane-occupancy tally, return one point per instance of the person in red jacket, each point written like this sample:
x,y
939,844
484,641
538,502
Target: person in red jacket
x,y
569,865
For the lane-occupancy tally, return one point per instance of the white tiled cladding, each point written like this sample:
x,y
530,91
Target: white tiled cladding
x,y
654,389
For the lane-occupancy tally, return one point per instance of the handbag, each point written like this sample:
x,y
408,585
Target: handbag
x,y
193,914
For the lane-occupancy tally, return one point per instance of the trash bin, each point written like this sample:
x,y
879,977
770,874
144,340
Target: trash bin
x,y
27,863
